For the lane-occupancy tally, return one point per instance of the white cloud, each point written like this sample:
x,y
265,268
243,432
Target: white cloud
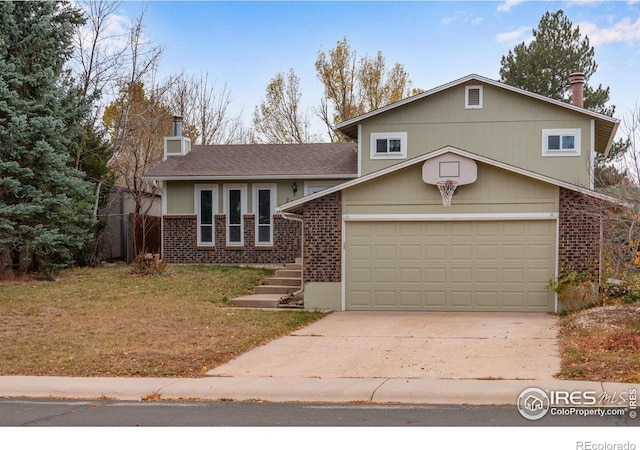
x,y
513,36
447,20
508,4
623,31
464,16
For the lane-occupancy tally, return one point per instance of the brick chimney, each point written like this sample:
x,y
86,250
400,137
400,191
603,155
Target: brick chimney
x,y
577,89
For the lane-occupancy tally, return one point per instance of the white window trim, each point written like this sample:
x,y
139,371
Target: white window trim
x,y
402,135
466,97
214,199
243,209
575,132
273,187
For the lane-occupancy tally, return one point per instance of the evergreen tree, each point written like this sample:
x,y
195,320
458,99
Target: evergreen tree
x,y
544,66
45,204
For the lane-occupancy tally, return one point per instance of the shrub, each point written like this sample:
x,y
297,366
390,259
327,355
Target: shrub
x,y
575,290
148,264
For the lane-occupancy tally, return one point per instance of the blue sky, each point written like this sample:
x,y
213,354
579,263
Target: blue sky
x,y
245,44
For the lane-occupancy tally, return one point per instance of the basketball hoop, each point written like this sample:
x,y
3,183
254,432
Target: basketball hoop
x,y
447,188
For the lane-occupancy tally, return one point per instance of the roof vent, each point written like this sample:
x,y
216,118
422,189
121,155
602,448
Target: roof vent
x,y
473,97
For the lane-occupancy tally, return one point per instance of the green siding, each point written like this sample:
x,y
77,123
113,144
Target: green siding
x,y
180,194
180,197
508,128
495,191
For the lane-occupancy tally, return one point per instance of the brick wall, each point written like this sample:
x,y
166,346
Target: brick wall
x,y
180,239
323,238
579,233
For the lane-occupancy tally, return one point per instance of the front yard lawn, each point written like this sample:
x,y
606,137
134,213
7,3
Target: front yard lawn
x,y
107,322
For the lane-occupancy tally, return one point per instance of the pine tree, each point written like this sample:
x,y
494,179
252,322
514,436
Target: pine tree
x,y
544,65
45,205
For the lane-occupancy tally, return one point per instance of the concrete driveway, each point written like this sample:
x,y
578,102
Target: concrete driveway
x,y
410,345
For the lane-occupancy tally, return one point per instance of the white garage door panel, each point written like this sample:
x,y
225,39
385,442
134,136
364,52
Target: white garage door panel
x,y
485,265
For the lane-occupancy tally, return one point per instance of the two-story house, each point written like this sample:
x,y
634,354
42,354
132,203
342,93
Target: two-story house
x,y
468,197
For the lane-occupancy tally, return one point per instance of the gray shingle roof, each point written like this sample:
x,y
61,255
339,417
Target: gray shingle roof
x,y
255,160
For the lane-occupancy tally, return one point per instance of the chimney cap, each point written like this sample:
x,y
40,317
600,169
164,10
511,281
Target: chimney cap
x,y
576,77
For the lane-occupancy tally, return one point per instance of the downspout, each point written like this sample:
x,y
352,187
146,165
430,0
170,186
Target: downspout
x,y
297,218
162,214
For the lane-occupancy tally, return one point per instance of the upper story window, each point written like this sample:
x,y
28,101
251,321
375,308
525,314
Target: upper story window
x,y
561,142
389,145
206,205
473,97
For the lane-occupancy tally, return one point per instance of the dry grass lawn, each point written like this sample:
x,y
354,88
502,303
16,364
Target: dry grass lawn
x,y
107,322
601,344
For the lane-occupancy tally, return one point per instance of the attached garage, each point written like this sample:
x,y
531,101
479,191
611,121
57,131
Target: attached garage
x,y
445,265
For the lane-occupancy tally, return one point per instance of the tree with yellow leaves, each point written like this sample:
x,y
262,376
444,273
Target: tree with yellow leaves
x,y
354,86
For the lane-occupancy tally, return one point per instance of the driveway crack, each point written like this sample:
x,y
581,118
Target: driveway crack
x,y
373,394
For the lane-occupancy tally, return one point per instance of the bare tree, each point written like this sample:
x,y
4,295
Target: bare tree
x,y
205,109
621,243
137,121
100,49
279,119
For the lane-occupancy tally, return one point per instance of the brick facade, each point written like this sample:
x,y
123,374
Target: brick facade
x,y
323,239
579,233
180,239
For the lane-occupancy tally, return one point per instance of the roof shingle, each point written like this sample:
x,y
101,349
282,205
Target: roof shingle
x,y
254,160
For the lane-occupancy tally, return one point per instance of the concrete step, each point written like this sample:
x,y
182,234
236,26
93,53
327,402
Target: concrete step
x,y
270,289
291,266
299,261
285,273
283,281
257,301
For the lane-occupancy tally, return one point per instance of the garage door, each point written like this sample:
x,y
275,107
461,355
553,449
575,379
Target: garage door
x,y
450,266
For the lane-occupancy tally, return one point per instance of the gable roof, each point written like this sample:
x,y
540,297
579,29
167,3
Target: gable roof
x,y
260,161
605,126
297,204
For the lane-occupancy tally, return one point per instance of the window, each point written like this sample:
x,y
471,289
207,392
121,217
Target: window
x,y
264,202
389,145
561,142
473,97
235,200
206,208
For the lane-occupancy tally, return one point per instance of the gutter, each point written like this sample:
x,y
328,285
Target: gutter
x,y
297,218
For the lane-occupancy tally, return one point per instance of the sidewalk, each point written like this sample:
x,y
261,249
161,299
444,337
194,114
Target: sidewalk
x,y
332,390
